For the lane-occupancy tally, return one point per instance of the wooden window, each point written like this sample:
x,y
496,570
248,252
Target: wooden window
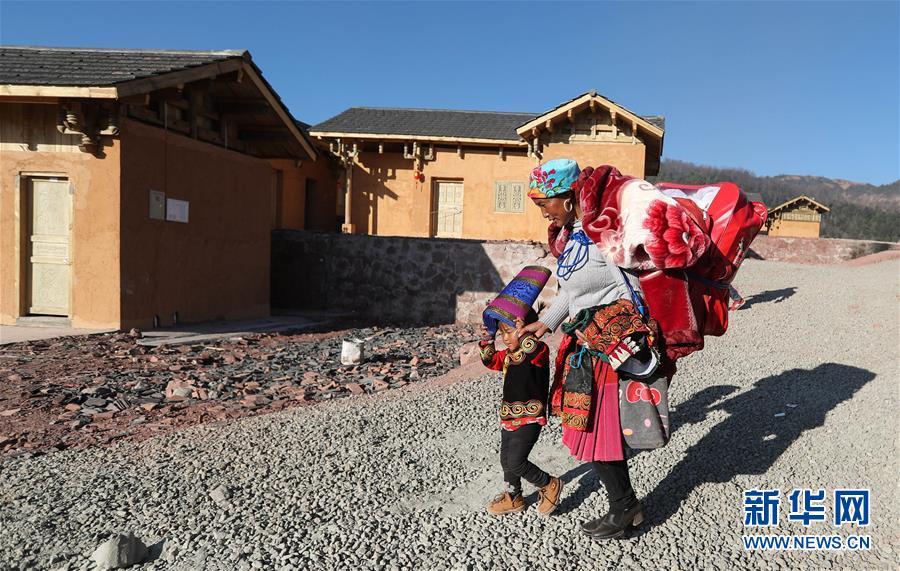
x,y
802,215
509,196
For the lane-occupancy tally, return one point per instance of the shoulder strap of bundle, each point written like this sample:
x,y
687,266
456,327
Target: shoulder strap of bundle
x,y
635,298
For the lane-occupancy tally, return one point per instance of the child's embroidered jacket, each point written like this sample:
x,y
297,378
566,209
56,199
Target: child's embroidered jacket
x,y
526,380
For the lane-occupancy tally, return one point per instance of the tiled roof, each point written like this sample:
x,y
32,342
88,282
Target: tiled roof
x,y
656,120
426,122
802,198
493,125
96,67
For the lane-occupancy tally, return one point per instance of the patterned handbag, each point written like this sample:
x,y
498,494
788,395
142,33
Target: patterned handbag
x,y
644,412
644,402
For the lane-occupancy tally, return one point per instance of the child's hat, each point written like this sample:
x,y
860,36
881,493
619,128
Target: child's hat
x,y
517,298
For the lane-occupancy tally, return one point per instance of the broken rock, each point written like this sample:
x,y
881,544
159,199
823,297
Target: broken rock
x,y
468,354
220,494
120,551
178,390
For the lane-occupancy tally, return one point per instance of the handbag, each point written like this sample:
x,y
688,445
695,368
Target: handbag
x,y
644,412
643,403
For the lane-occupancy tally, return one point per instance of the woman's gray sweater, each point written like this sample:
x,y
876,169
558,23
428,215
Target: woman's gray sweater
x,y
593,283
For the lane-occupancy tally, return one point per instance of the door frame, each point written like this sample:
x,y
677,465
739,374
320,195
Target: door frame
x,y
23,244
433,223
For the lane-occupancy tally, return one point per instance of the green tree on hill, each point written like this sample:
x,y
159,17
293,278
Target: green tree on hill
x,y
858,211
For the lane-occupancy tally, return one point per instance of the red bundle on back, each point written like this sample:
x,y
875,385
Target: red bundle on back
x,y
732,223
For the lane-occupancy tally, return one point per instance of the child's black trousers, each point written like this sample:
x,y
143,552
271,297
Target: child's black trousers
x,y
515,446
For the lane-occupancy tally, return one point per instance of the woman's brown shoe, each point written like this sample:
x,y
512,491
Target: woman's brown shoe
x,y
549,495
506,504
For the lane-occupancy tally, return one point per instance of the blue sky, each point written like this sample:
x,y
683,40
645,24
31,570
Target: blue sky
x,y
797,88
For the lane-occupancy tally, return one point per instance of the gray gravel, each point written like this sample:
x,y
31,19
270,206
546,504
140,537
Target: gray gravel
x,y
399,480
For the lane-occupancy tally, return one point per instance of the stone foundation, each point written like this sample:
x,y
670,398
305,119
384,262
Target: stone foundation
x,y
432,280
814,250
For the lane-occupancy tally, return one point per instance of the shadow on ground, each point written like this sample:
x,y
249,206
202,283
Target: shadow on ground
x,y
752,438
748,442
773,295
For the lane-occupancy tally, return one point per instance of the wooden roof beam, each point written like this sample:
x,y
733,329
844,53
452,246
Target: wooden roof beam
x,y
279,109
57,91
178,78
588,98
260,134
421,138
242,106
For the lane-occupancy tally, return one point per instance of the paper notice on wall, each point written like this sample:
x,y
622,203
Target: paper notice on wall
x,y
176,210
157,205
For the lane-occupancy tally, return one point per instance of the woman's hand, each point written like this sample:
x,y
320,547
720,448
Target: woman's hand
x,y
537,329
581,336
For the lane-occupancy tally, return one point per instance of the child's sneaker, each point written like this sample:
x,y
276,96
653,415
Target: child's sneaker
x,y
506,504
549,495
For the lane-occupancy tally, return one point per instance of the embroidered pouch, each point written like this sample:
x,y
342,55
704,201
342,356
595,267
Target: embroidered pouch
x,y
578,386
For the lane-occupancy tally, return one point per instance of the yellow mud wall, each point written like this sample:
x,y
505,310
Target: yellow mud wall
x,y
215,266
387,201
30,144
317,175
795,228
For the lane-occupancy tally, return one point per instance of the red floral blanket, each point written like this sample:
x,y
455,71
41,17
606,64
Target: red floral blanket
x,y
636,226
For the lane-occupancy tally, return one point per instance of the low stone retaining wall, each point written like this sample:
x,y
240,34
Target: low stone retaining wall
x,y
397,280
432,280
814,250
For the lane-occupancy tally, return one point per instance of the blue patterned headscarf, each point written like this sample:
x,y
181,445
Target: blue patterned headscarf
x,y
553,178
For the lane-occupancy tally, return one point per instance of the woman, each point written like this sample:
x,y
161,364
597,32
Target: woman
x,y
585,231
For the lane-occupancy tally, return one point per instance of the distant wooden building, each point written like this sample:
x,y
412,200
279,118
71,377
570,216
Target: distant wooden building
x,y
799,217
464,174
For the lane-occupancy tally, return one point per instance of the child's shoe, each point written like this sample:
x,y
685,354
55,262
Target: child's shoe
x,y
506,503
549,497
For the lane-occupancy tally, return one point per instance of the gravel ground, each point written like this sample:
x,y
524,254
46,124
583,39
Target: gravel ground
x,y
399,479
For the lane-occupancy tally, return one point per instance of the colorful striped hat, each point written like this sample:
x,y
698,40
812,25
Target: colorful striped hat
x,y
517,298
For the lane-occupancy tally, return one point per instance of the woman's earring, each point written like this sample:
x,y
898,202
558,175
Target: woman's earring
x,y
568,206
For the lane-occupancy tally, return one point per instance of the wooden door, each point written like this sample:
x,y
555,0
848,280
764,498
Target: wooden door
x,y
448,214
49,256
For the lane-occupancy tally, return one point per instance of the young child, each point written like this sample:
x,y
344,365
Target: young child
x,y
525,364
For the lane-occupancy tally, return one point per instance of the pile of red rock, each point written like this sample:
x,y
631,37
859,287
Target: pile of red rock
x,y
77,391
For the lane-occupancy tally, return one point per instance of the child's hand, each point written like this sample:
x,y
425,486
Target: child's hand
x,y
485,334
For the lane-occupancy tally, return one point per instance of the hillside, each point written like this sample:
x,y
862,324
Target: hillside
x,y
858,210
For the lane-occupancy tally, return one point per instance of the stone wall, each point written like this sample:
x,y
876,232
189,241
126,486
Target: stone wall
x,y
397,280
814,250
431,280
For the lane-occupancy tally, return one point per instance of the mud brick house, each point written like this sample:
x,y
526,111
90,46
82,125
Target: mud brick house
x,y
142,186
463,174
799,217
